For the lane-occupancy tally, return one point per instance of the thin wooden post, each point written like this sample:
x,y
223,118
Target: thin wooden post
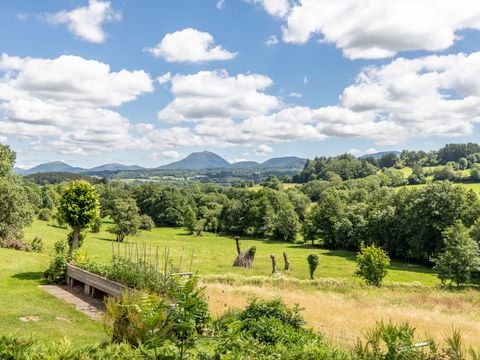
x,y
274,264
287,263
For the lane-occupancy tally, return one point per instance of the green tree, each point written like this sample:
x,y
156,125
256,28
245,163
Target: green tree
x,y
475,172
79,206
15,209
372,264
459,258
189,220
125,215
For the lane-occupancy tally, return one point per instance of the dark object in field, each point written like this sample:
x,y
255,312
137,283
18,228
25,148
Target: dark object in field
x,y
287,263
244,259
274,264
312,264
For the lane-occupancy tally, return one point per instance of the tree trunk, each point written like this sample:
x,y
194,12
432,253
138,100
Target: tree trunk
x,y
274,264
75,237
287,263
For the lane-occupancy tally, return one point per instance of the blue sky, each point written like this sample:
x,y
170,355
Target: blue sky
x,y
147,82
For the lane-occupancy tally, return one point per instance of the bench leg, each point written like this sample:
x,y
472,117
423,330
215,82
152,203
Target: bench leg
x,y
87,290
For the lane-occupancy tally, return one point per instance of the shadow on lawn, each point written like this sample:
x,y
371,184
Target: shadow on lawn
x,y
31,275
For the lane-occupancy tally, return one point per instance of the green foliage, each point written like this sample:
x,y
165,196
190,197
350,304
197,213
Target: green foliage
x,y
15,207
146,223
372,264
190,220
80,239
127,220
446,172
417,176
346,166
37,244
475,172
313,261
96,225
79,206
56,272
460,256
454,152
12,348
45,214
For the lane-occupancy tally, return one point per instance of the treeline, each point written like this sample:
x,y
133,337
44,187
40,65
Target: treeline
x,y
408,223
345,167
60,177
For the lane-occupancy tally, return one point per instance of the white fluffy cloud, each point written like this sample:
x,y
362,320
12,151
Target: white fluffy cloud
x,y
216,95
278,8
382,105
86,22
263,149
190,45
373,29
64,103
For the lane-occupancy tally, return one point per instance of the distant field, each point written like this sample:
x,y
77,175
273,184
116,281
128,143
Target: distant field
x,y
214,254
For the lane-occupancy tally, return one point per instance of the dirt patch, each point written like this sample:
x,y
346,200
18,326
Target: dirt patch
x,y
30,318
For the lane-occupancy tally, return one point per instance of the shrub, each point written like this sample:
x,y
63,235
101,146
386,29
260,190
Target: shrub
x,y
37,244
55,274
96,225
312,264
372,264
15,244
45,214
146,223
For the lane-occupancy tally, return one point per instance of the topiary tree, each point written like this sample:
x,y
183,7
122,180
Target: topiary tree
x,y
372,264
460,257
312,264
79,206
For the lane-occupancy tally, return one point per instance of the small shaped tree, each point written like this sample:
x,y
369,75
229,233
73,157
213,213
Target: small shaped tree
x,y
312,264
372,264
79,206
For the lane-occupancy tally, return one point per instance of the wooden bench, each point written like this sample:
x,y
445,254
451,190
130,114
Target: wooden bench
x,y
93,282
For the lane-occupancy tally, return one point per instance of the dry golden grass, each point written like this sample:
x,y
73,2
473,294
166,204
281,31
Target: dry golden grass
x,y
346,315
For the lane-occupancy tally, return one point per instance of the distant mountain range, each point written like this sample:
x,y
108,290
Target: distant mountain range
x,y
195,161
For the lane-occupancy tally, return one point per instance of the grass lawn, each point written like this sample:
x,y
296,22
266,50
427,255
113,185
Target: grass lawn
x,y
214,254
20,296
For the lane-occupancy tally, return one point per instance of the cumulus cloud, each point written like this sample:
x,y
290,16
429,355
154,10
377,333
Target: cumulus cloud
x,y
216,94
64,103
277,8
381,105
295,95
190,45
86,22
272,41
262,150
374,29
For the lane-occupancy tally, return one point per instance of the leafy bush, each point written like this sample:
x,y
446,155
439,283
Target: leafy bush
x,y
96,225
146,222
15,244
312,264
55,274
45,214
372,264
37,244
